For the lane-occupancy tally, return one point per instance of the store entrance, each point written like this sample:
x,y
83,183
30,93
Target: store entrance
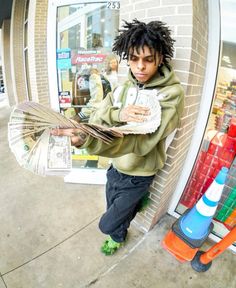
x,y
85,31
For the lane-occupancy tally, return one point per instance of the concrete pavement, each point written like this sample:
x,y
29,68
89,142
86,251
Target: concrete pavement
x,y
50,239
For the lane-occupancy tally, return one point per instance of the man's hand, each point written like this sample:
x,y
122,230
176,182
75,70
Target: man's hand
x,y
77,136
134,113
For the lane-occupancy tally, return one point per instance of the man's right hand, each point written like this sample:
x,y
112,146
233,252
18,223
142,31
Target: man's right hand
x,y
134,113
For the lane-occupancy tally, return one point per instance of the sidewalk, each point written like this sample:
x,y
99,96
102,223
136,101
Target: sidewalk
x,y
50,238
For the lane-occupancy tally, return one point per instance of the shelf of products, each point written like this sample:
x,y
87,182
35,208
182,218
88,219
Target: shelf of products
x,y
224,106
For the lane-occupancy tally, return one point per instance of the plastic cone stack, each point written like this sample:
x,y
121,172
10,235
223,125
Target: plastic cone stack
x,y
191,230
196,223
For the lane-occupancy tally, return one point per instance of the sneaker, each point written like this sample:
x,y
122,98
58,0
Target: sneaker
x,y
110,246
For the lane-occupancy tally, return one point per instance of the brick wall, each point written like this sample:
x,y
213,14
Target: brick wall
x,y
188,22
17,50
37,47
37,51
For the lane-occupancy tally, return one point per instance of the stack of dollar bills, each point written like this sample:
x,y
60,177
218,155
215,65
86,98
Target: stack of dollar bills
x,y
36,149
147,98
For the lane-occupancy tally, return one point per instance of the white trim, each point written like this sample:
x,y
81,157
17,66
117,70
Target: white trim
x,y
71,2
12,48
51,47
86,176
206,101
217,239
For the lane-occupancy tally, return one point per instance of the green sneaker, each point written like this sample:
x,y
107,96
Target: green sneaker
x,y
110,246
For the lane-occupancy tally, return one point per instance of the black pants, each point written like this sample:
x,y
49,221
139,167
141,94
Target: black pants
x,y
123,193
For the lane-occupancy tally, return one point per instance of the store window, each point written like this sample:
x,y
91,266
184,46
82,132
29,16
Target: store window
x,y
85,34
219,145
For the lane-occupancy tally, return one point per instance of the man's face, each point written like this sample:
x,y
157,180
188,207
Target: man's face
x,y
144,64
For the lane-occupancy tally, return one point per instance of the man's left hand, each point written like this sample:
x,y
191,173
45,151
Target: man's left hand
x,y
77,136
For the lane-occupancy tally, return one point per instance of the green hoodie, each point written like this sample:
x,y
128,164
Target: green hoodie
x,y
139,155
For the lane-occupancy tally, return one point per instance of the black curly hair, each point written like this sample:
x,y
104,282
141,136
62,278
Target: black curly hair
x,y
137,34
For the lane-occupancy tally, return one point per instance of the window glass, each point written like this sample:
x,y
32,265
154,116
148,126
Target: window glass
x,y
219,145
85,34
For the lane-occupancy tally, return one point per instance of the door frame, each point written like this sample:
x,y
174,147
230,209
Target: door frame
x,y
77,175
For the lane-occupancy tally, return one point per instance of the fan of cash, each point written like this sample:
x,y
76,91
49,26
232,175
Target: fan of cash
x,y
150,99
37,150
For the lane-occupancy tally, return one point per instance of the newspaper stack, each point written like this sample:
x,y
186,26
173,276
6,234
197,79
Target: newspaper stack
x,y
33,145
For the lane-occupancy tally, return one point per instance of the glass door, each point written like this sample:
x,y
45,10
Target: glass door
x,y
85,31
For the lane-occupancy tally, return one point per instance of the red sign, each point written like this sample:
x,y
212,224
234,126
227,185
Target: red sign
x,y
65,99
88,58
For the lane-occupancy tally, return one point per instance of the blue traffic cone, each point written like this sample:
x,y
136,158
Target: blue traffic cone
x,y
195,224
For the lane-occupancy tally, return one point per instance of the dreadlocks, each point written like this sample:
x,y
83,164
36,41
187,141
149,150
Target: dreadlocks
x,y
136,35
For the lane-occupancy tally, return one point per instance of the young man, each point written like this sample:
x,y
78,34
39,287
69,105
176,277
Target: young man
x,y
135,158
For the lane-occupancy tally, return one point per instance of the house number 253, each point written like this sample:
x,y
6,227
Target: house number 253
x,y
113,5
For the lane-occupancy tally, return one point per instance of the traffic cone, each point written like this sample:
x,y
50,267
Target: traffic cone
x,y
178,248
196,223
191,230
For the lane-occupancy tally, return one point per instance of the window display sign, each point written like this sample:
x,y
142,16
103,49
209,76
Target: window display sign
x,y
88,58
65,99
64,58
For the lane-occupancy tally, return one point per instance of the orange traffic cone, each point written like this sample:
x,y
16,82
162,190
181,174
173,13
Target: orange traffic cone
x,y
178,248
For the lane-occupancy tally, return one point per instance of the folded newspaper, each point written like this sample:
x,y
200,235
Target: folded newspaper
x,y
37,150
